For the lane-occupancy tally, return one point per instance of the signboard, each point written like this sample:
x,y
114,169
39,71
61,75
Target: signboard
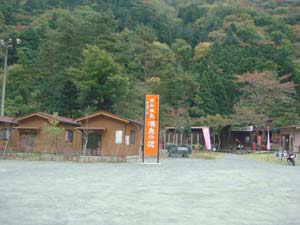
x,y
151,125
247,128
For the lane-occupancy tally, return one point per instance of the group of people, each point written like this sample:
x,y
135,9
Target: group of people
x,y
289,155
238,144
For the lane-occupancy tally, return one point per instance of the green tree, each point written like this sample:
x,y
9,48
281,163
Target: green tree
x,y
52,133
20,91
265,97
183,52
100,79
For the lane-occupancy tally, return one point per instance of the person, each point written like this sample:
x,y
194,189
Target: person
x,y
290,157
279,154
284,154
237,143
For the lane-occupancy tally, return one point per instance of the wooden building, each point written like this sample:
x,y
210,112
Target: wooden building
x,y
194,137
250,138
99,134
232,136
107,134
290,138
6,124
35,133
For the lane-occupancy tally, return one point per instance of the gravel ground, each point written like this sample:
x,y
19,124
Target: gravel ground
x,y
233,190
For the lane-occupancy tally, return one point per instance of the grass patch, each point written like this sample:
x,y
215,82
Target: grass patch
x,y
264,157
207,155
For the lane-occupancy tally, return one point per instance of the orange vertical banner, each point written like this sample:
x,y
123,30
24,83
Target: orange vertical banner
x,y
151,128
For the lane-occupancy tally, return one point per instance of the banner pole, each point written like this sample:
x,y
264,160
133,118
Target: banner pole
x,y
158,137
143,148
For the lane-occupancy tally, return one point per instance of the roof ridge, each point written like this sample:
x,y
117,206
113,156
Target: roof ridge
x,y
109,114
7,119
50,116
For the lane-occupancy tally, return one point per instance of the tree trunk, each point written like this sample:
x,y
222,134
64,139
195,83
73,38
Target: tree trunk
x,y
85,136
219,142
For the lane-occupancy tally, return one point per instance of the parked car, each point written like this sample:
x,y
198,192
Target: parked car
x,y
189,148
175,151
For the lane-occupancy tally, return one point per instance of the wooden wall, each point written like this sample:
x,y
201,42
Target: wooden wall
x,y
109,147
42,142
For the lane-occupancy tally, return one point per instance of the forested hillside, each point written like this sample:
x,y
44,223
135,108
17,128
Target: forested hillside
x,y
239,59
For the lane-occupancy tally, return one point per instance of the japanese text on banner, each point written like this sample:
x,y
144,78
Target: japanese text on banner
x,y
151,125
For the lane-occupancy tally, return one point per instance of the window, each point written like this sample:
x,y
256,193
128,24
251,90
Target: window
x,y
69,135
119,136
132,137
4,133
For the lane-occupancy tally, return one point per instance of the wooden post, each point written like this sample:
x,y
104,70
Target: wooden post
x,y
181,138
228,141
165,140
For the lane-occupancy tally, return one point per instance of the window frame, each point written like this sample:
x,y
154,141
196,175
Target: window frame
x,y
69,135
6,133
132,137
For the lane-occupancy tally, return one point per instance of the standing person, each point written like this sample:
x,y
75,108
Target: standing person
x,y
285,153
291,157
237,143
280,153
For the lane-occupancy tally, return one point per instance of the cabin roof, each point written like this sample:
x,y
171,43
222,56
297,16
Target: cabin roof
x,y
291,127
49,117
102,113
7,119
191,128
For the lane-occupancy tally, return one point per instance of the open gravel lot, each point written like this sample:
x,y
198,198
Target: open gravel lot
x,y
233,190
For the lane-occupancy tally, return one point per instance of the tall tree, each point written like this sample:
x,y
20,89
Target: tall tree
x,y
100,79
266,97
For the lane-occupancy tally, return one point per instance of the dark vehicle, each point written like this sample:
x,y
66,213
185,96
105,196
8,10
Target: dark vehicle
x,y
291,157
189,148
175,151
172,149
